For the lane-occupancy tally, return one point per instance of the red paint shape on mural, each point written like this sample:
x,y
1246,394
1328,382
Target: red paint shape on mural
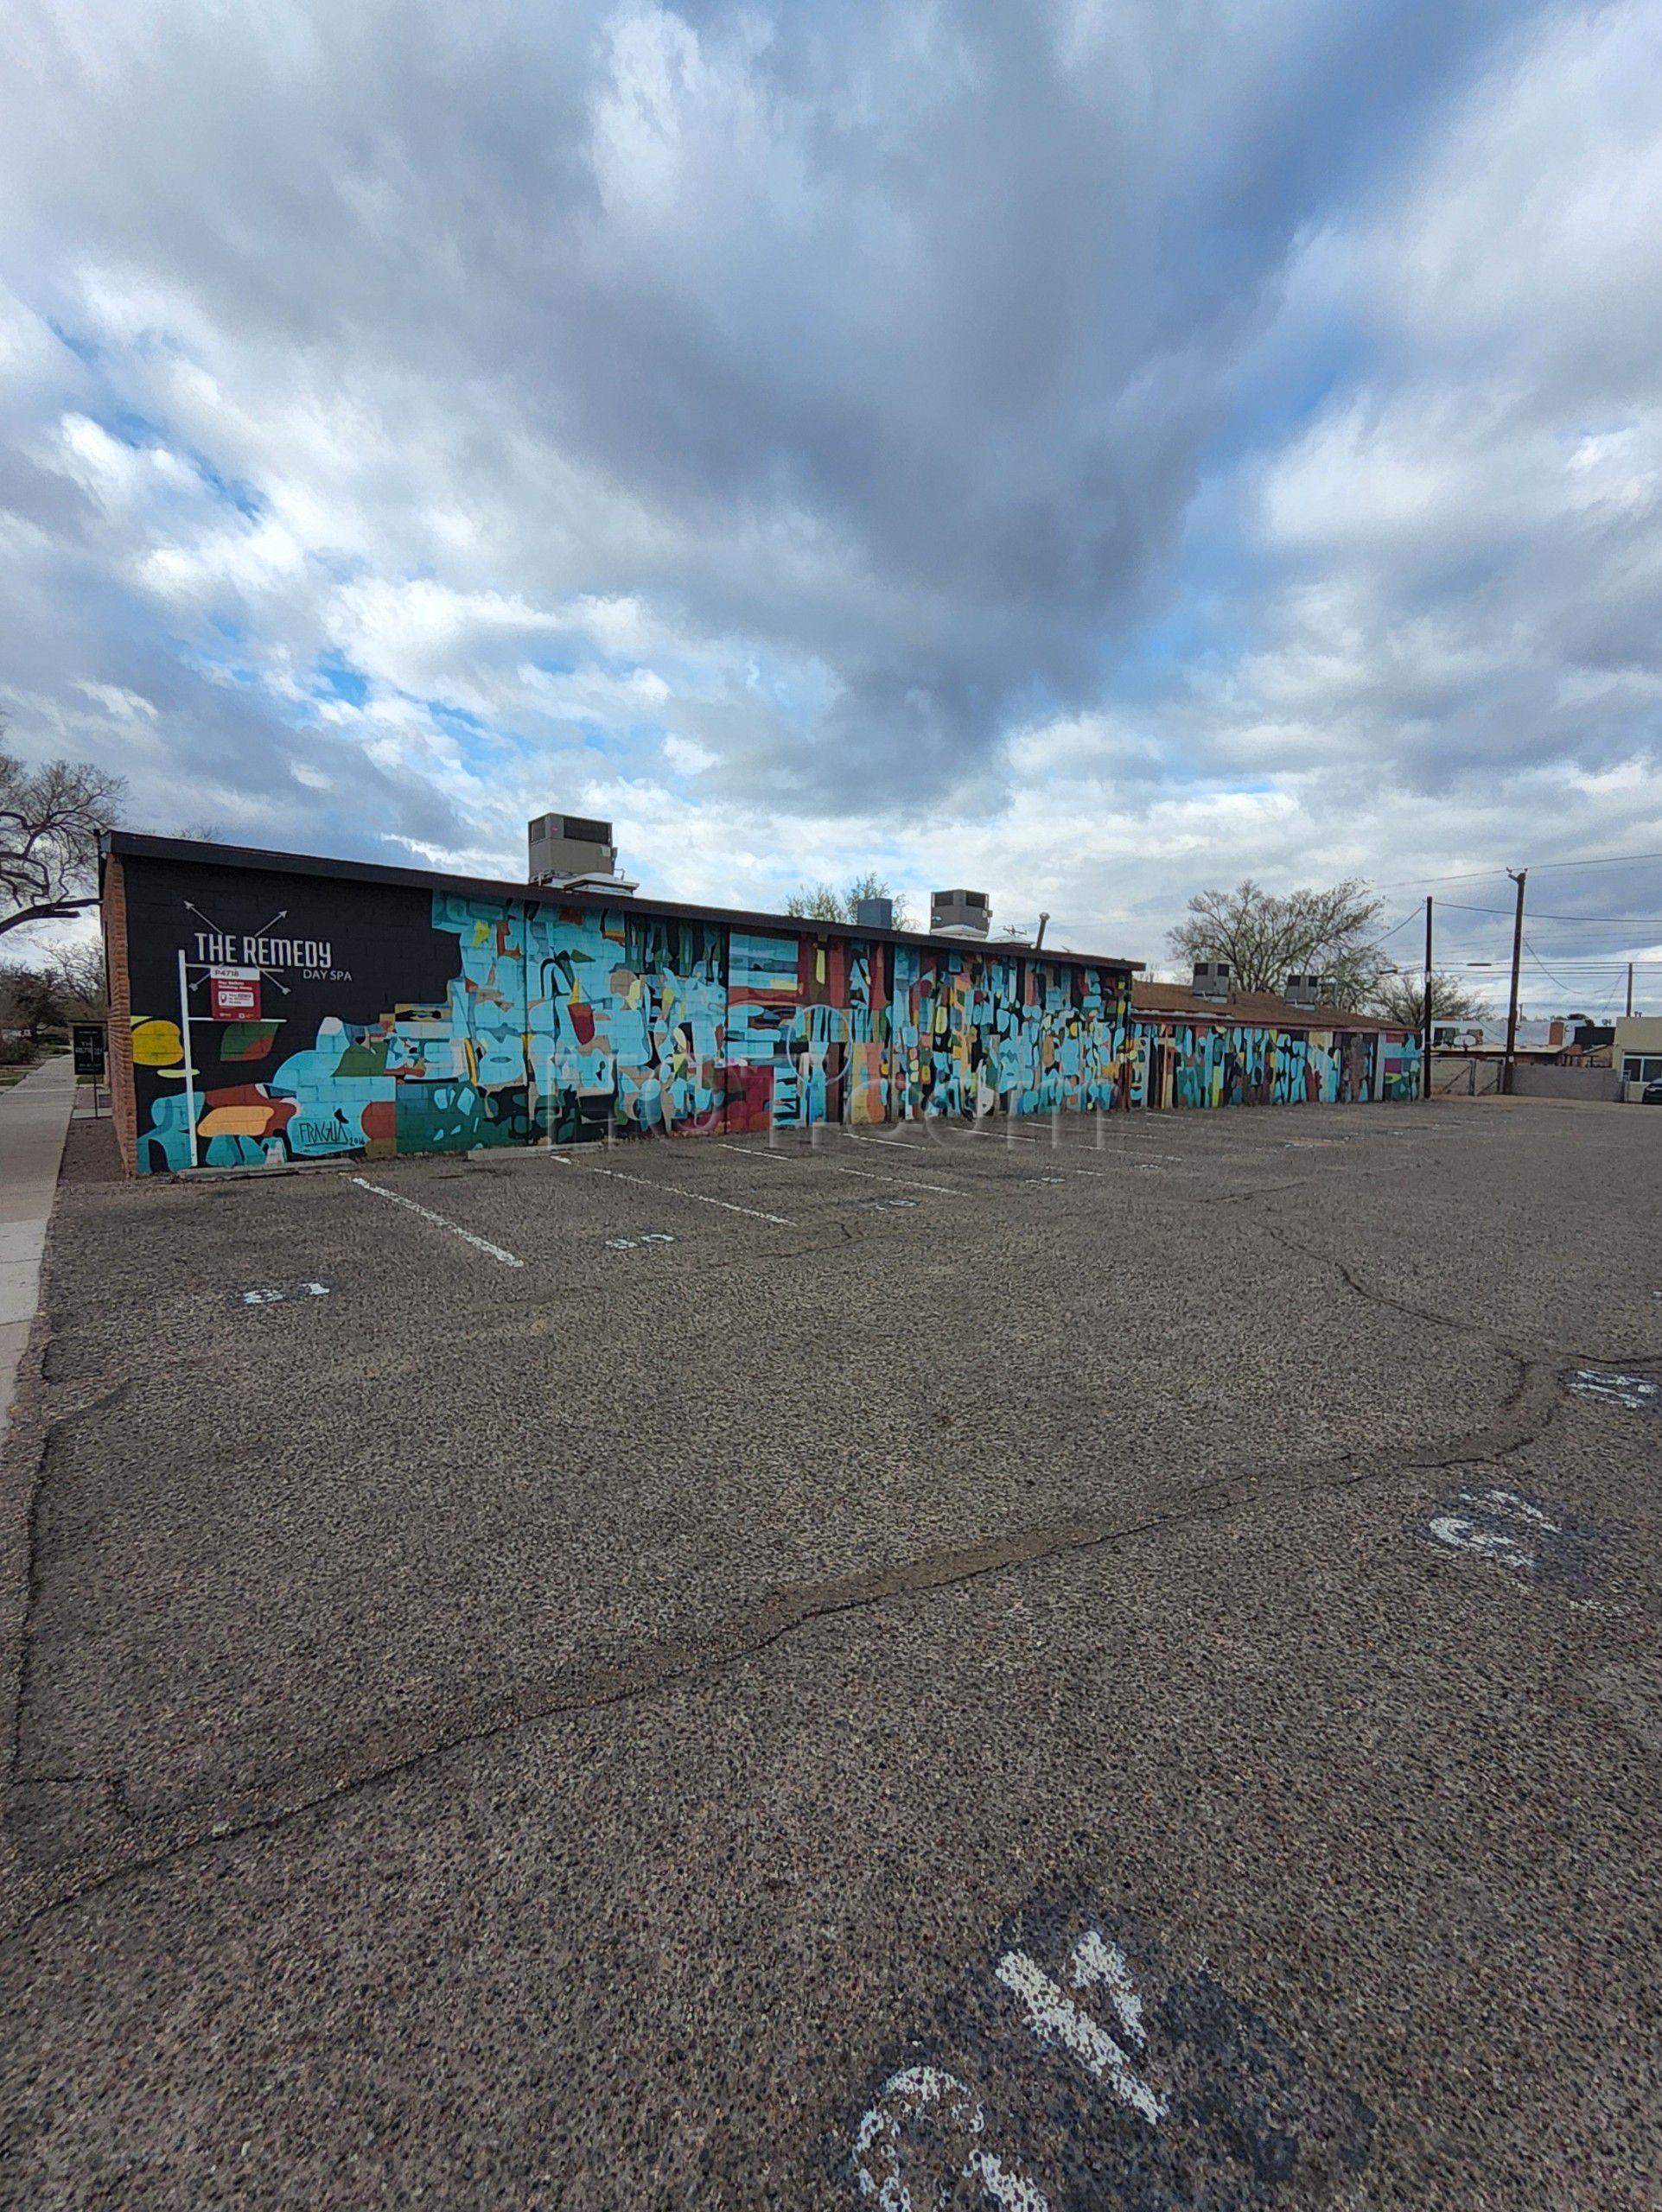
x,y
232,999
749,1100
379,1118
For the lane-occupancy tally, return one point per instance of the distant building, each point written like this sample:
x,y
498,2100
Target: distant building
x,y
1486,1037
1636,1049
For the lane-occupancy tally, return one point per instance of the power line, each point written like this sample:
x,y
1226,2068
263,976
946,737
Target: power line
x,y
1412,914
1585,921
1545,969
1598,860
1488,874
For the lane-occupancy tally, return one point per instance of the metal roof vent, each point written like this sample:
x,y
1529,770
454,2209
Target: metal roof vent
x,y
570,852
960,913
874,913
1211,980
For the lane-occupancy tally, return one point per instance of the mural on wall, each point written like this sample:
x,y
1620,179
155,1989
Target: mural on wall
x,y
444,1021
979,1030
1218,1064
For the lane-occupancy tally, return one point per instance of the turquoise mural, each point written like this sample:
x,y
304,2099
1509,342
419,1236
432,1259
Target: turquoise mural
x,y
457,1019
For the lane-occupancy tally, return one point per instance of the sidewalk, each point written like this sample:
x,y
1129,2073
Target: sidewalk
x,y
34,1117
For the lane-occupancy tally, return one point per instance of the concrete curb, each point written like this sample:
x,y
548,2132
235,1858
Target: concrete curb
x,y
34,1123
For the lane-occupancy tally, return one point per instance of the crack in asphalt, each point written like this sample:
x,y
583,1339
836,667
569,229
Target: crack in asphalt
x,y
32,1576
1383,1298
1464,1325
160,1838
1519,1419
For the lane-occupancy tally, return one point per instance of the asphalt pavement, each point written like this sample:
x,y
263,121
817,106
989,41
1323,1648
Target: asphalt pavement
x,y
1112,1667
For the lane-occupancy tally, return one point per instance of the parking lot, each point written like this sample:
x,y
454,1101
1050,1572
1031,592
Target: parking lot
x,y
1102,1664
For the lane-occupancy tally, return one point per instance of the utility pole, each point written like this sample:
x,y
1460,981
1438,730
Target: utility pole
x,y
1040,938
1425,1012
1630,986
1517,966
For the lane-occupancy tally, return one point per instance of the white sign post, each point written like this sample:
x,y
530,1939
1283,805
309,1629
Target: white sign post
x,y
190,1073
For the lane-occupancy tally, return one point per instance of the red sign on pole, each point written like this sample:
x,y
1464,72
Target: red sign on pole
x,y
233,998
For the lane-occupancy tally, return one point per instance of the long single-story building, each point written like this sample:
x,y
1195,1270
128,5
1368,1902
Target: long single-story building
x,y
272,1006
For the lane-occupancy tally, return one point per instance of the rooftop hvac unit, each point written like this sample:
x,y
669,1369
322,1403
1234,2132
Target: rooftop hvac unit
x,y
574,853
960,913
1211,979
874,913
1303,990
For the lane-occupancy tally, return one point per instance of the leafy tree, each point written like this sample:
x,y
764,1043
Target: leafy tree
x,y
1266,936
1400,999
823,902
816,902
51,818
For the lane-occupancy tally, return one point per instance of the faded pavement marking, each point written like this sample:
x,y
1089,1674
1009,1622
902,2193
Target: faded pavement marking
x,y
1084,2065
1053,1174
1640,1394
649,1183
1055,2017
277,1294
1505,1529
480,1244
813,1159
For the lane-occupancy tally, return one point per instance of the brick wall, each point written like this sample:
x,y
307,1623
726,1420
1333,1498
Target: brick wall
x,y
119,1050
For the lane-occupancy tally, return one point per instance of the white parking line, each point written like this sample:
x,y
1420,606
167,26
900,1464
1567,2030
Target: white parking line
x,y
1097,1174
648,1182
815,1160
905,1144
479,1243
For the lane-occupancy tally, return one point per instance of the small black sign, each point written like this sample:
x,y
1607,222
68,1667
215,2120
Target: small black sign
x,y
89,1050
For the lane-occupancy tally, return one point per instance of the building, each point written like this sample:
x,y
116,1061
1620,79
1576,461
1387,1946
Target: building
x,y
270,1006
1486,1039
1221,1048
1636,1051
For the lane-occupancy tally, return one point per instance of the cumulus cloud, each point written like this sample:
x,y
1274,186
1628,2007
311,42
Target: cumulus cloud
x,y
1092,450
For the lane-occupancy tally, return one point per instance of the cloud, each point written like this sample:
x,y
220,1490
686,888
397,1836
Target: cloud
x,y
1089,450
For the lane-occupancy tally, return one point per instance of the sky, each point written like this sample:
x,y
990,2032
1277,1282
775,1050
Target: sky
x,y
1087,452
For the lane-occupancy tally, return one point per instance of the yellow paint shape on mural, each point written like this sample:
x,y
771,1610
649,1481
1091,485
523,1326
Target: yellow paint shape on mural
x,y
819,965
234,1121
482,934
472,1059
158,1045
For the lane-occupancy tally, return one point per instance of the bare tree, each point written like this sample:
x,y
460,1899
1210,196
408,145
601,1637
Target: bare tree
x,y
823,902
1266,936
1401,998
28,1000
78,978
51,818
